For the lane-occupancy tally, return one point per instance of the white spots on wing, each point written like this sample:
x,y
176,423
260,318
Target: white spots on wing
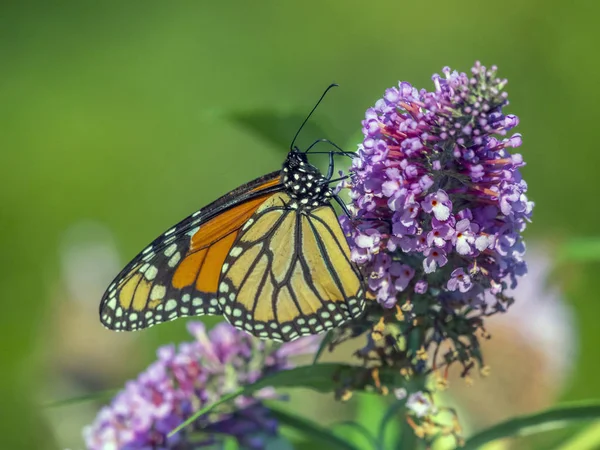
x,y
185,298
158,292
170,239
193,231
144,268
224,268
148,256
236,251
248,223
174,259
197,301
171,231
148,314
133,316
197,213
223,287
147,249
112,303
171,305
151,273
170,249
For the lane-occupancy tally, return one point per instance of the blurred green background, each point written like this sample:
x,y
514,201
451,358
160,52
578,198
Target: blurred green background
x,y
120,118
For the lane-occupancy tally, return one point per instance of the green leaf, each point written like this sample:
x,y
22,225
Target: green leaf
x,y
391,413
319,377
580,250
102,395
314,431
278,128
361,430
370,410
534,423
588,439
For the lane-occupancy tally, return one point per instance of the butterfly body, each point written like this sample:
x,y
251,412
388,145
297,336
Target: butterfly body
x,y
305,183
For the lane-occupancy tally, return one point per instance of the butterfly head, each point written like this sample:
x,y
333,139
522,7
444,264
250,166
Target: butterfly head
x,y
303,181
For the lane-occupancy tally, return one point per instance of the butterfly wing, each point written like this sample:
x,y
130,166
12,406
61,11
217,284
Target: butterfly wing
x,y
289,273
178,274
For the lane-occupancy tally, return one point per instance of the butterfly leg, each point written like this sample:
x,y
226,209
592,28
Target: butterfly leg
x,y
331,167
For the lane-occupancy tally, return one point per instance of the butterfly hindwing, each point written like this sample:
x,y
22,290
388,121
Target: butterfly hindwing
x,y
178,274
289,273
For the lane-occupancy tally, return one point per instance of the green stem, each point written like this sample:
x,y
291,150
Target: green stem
x,y
408,439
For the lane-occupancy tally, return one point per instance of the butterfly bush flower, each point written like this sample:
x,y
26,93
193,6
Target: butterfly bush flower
x,y
185,379
438,201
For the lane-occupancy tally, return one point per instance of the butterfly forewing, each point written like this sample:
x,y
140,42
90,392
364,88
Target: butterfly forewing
x,y
289,273
178,274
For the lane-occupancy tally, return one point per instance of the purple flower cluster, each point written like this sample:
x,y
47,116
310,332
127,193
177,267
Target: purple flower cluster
x,y
184,380
438,200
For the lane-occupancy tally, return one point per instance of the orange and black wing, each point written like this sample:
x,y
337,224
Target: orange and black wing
x,y
178,274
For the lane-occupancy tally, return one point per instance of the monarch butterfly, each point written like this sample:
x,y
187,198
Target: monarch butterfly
x,y
270,256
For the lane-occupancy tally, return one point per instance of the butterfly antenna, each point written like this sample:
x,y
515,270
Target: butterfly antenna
x,y
310,114
340,151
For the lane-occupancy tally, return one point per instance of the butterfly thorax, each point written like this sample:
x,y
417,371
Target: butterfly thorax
x,y
304,183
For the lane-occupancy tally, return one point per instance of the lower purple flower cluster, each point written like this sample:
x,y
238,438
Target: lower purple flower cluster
x,y
438,201
183,380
